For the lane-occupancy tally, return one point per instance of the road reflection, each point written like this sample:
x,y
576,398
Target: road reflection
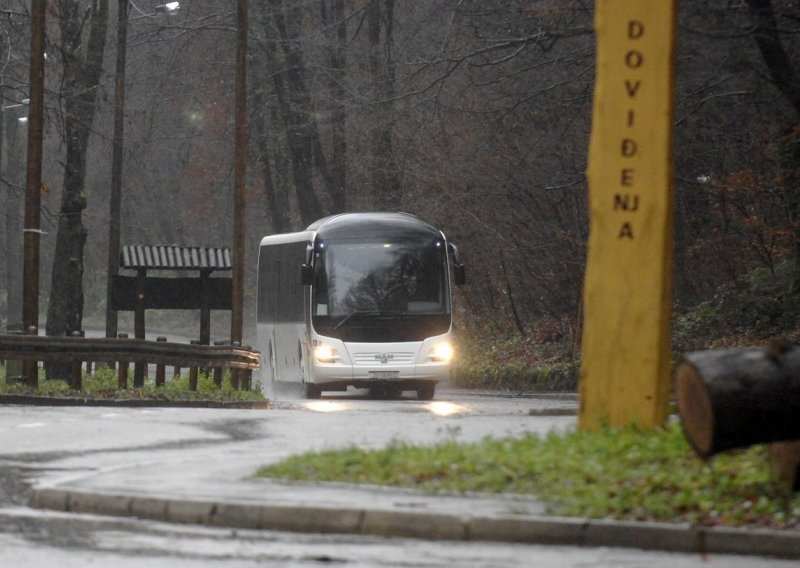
x,y
334,404
326,405
442,408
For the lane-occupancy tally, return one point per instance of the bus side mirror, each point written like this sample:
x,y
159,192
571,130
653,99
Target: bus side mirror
x,y
307,269
306,274
460,274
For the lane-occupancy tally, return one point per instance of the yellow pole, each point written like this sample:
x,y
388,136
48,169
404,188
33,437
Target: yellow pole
x,y
625,370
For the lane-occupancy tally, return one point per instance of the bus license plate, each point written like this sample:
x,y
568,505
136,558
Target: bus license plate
x,y
384,374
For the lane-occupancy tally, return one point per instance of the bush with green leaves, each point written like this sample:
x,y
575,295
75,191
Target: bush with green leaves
x,y
487,360
756,306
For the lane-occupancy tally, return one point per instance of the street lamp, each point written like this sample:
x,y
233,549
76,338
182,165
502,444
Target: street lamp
x,y
23,102
116,158
168,8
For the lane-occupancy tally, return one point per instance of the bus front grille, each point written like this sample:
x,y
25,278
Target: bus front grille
x,y
377,358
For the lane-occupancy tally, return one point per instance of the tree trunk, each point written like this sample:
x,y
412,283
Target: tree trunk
x,y
336,26
385,172
790,163
277,202
784,460
4,191
81,75
786,80
733,398
266,117
510,293
775,57
295,104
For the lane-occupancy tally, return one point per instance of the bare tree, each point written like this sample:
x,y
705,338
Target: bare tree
x,y
384,174
473,114
335,25
767,35
81,47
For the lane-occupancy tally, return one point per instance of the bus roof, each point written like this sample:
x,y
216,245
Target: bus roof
x,y
355,225
358,226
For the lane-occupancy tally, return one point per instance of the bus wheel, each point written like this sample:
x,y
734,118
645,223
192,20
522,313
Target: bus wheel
x,y
311,391
426,391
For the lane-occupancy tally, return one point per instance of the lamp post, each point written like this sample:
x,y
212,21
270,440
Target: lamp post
x,y
116,165
115,201
13,223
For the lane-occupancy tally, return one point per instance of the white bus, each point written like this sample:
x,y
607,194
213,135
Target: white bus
x,y
358,299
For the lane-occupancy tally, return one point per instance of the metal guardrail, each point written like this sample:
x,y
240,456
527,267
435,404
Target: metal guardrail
x,y
77,350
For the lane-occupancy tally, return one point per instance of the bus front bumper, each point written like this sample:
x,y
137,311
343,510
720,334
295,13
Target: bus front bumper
x,y
365,377
364,365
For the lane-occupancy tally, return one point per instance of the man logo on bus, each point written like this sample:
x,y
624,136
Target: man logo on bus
x,y
384,357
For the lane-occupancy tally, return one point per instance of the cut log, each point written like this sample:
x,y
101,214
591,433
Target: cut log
x,y
732,398
784,461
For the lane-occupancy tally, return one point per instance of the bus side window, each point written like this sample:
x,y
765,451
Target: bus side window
x,y
274,289
267,285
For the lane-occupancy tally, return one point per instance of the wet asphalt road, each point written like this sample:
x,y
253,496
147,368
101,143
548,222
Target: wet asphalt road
x,y
45,444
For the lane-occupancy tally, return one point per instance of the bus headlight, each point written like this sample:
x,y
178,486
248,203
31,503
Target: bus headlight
x,y
441,352
325,353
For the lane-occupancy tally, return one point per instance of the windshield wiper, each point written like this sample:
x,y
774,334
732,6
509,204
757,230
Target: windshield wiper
x,y
355,313
364,313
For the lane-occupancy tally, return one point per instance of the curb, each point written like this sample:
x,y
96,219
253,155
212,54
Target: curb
x,y
553,412
523,529
33,400
567,396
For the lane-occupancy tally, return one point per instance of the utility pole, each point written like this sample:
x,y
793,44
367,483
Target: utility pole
x,y
33,197
240,170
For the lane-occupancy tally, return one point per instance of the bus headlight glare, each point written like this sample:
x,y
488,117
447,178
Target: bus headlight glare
x,y
325,354
441,352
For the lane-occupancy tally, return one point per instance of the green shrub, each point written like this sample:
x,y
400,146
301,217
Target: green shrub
x,y
753,308
103,384
517,376
488,359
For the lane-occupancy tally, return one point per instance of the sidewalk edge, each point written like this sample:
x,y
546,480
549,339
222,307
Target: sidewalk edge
x,y
525,529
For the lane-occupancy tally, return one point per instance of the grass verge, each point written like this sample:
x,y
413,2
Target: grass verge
x,y
620,474
103,384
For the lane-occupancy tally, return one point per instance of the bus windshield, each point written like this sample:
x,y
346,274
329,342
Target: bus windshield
x,y
367,288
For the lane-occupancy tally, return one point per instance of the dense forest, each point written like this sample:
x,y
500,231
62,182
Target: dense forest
x,y
472,114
